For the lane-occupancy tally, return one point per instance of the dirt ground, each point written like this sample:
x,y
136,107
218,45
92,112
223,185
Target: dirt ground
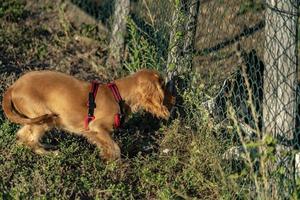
x,y
38,36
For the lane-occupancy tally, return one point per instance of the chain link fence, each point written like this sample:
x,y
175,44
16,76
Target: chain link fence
x,y
247,55
243,55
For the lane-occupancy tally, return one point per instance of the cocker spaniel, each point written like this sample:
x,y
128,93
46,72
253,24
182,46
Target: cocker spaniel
x,y
41,100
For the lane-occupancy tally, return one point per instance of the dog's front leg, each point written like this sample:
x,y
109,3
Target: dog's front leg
x,y
103,140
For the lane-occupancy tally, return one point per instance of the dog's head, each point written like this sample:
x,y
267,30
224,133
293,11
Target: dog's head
x,y
151,94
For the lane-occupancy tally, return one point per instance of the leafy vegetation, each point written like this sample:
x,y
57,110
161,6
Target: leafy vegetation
x,y
12,10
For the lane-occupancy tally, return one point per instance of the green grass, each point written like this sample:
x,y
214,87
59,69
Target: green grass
x,y
187,169
13,10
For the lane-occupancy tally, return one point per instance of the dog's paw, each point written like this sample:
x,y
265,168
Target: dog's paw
x,y
112,153
40,151
43,151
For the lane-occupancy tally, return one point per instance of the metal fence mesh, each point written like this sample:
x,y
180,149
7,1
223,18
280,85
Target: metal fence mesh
x,y
246,54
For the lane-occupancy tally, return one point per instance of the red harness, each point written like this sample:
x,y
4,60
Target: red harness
x,y
119,117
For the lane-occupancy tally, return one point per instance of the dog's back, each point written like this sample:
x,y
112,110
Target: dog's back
x,y
35,97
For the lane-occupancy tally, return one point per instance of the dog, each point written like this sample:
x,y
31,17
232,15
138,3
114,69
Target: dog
x,y
42,100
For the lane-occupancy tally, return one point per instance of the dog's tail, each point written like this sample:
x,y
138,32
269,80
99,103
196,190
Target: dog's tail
x,y
13,115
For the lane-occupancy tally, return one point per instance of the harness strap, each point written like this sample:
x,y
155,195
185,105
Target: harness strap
x,y
119,117
91,103
113,87
94,88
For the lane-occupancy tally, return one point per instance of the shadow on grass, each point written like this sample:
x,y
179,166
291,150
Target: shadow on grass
x,y
138,136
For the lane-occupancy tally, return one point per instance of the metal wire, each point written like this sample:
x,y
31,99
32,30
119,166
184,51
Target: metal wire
x,y
239,48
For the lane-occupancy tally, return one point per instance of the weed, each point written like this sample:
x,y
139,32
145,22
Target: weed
x,y
13,10
141,53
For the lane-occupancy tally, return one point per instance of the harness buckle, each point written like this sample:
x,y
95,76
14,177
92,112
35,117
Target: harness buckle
x,y
91,104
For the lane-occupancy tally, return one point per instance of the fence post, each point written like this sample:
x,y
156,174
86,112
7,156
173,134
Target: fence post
x,y
190,29
174,44
118,31
280,90
182,37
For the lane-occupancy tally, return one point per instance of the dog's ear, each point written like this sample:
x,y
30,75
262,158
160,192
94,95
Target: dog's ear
x,y
150,96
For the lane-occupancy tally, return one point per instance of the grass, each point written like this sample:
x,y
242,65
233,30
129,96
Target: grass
x,y
180,166
12,10
159,161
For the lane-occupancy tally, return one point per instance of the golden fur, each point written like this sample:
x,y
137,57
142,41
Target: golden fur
x,y
41,100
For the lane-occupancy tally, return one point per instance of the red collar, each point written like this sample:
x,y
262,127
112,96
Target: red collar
x,y
119,117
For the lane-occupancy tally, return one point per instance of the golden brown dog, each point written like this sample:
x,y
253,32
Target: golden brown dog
x,y
41,100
